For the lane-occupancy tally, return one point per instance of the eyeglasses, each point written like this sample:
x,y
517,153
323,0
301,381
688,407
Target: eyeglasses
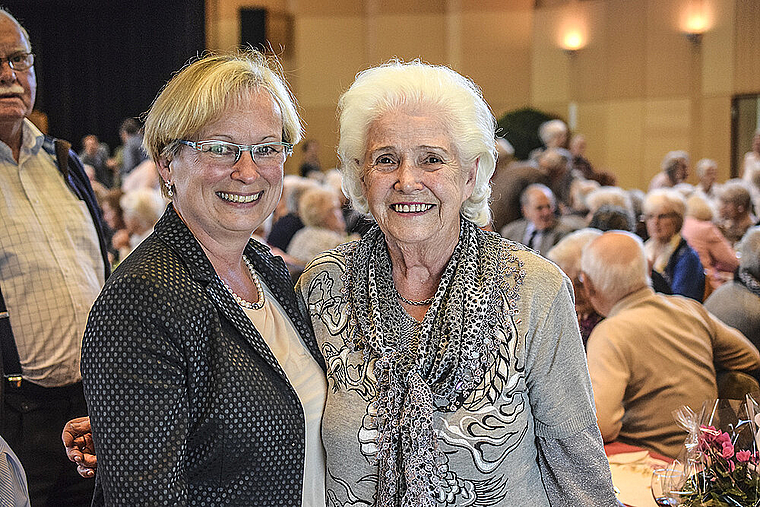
x,y
19,61
227,154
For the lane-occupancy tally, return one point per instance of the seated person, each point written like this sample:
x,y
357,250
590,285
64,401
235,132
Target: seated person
x,y
666,250
675,170
715,252
707,172
541,229
141,210
734,207
652,353
322,215
567,255
737,303
612,218
287,220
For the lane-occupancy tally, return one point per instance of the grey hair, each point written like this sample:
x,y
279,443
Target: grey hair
x,y
749,249
567,253
144,204
550,130
735,192
616,272
396,85
537,187
703,165
672,157
608,196
580,189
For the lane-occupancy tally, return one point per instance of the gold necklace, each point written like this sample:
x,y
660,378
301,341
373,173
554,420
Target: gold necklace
x,y
258,305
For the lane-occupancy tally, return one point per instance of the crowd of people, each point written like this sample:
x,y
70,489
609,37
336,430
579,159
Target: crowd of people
x,y
429,324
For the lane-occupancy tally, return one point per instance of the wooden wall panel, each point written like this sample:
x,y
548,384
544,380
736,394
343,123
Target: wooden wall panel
x,y
747,63
497,56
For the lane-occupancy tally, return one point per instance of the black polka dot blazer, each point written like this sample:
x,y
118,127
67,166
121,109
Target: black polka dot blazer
x,y
188,405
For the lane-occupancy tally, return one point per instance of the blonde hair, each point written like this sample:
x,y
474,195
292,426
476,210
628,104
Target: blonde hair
x,y
316,204
457,101
698,207
666,199
204,88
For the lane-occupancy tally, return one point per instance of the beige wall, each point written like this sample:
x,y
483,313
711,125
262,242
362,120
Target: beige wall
x,y
639,87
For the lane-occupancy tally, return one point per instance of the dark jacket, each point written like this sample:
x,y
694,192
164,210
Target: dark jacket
x,y
685,273
76,179
188,405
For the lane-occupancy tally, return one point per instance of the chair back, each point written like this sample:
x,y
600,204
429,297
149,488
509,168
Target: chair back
x,y
735,385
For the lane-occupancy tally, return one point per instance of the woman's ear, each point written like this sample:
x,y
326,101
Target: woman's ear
x,y
472,175
163,164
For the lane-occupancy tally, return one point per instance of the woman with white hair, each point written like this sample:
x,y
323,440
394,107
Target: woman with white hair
x,y
324,226
141,209
707,172
456,371
667,251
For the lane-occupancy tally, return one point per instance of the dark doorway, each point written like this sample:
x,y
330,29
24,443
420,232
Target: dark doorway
x,y
98,62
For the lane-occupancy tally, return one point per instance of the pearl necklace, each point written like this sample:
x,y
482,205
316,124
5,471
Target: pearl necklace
x,y
258,305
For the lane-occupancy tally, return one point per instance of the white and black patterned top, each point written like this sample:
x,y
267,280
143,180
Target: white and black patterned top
x,y
188,404
526,436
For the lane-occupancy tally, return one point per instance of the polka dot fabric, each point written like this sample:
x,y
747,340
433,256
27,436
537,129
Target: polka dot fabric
x,y
188,405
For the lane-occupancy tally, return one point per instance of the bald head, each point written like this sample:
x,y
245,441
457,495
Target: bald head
x,y
6,16
615,265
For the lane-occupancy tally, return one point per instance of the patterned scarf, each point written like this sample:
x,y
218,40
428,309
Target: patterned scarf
x,y
434,367
744,277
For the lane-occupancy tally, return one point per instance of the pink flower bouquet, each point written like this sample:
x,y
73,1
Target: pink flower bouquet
x,y
720,458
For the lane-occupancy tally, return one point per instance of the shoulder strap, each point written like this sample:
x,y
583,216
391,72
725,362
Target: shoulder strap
x,y
62,156
10,360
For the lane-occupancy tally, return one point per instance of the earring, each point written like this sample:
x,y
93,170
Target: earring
x,y
169,189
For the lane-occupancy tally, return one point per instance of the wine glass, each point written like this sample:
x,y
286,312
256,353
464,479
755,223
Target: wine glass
x,y
666,483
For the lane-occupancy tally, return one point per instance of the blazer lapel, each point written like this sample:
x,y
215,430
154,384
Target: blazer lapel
x,y
171,229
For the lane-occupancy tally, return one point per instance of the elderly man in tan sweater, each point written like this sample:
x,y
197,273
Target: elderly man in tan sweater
x,y
653,353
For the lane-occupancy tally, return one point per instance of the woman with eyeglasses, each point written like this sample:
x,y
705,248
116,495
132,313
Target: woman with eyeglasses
x,y
667,251
203,379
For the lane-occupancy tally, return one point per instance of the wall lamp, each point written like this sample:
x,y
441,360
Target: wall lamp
x,y
572,42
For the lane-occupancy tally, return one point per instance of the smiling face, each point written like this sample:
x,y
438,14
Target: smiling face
x,y
413,180
222,202
17,87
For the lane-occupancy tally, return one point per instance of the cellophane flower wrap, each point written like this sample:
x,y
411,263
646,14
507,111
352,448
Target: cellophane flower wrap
x,y
720,458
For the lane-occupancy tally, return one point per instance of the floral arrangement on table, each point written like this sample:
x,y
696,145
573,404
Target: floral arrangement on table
x,y
721,467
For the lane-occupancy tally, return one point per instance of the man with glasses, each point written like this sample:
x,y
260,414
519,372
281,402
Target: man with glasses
x,y
52,266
